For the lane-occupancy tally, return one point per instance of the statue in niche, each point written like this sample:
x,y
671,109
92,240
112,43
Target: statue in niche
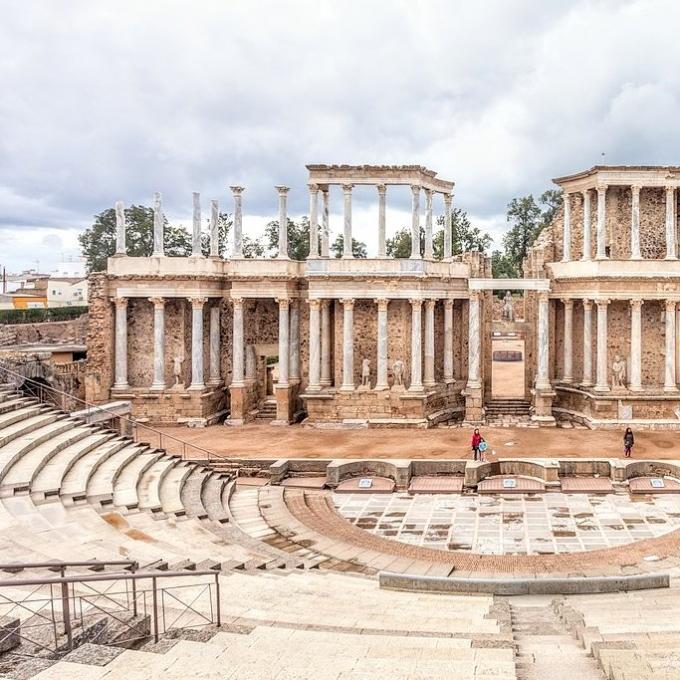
x,y
177,370
366,374
507,311
619,372
398,372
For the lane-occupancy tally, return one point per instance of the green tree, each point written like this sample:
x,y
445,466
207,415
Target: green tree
x,y
464,237
524,215
502,267
252,247
552,200
224,223
399,245
358,247
298,238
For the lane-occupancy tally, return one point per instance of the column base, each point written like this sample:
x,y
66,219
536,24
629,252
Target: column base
x,y
285,404
671,257
602,388
568,380
670,388
120,386
196,387
586,384
543,386
418,389
158,387
381,388
314,388
635,388
326,383
346,388
416,257
601,257
347,257
586,259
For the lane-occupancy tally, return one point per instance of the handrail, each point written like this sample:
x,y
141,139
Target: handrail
x,y
114,576
57,564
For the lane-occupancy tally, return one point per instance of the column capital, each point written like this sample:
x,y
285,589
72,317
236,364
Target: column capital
x,y
430,303
427,192
382,189
415,188
671,304
475,295
158,302
602,302
347,188
635,188
601,188
416,302
585,193
283,302
237,300
636,303
670,188
347,303
120,301
543,296
325,303
448,303
447,200
313,188
382,303
197,302
237,190
567,302
314,304
282,189
587,304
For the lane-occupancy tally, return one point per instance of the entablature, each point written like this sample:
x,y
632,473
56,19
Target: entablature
x,y
620,175
618,269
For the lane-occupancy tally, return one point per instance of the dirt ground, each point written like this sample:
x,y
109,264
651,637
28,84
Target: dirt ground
x,y
267,441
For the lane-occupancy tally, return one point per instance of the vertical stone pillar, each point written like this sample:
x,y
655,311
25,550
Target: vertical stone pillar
x,y
215,228
284,342
602,379
669,384
566,229
448,340
237,372
120,229
121,344
238,220
429,252
197,381
313,221
283,223
671,238
381,379
635,223
382,191
325,229
314,346
416,346
635,345
215,343
429,379
601,222
158,343
347,229
568,375
348,345
543,349
587,380
325,343
158,227
474,340
196,225
587,253
415,223
448,236
294,341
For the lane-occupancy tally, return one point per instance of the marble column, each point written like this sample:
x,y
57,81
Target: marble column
x,y
215,343
568,375
429,251
120,229
121,344
382,191
671,238
448,341
381,379
635,223
669,383
474,340
197,381
416,346
294,341
325,343
447,226
196,225
347,228
237,372
238,220
284,342
635,345
215,228
566,229
543,341
601,222
587,252
314,346
415,223
587,380
158,343
602,379
325,228
313,221
283,223
158,227
347,345
429,380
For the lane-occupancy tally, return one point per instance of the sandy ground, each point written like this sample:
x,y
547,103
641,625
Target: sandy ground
x,y
267,441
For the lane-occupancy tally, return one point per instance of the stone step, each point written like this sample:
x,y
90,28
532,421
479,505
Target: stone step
x,y
170,492
24,421
127,480
151,480
102,481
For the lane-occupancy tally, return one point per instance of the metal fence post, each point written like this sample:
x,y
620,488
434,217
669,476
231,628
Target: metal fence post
x,y
155,609
66,614
217,596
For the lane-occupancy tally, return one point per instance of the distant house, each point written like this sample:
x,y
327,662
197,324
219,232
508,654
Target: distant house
x,y
66,291
32,293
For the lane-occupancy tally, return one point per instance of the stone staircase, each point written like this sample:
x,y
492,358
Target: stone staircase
x,y
496,408
266,410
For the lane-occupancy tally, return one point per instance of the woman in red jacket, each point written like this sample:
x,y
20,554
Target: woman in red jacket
x,y
477,439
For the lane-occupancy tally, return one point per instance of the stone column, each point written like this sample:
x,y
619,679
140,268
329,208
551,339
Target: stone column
x,y
196,224
429,252
215,343
238,220
566,230
158,227
325,230
237,372
447,226
283,223
347,229
635,223
121,345
635,345
429,380
587,343
448,341
602,380
294,341
568,375
671,240
382,191
158,343
586,226
325,343
314,346
669,384
120,229
214,229
415,223
543,349
416,346
284,342
381,379
313,221
474,340
348,345
601,222
197,304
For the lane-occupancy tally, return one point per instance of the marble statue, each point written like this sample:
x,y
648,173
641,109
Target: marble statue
x,y
398,370
177,370
619,372
366,373
507,312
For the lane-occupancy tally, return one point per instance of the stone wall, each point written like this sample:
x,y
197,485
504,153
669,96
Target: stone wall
x,y
71,331
100,365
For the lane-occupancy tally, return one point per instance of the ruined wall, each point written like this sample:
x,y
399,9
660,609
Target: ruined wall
x,y
72,331
99,340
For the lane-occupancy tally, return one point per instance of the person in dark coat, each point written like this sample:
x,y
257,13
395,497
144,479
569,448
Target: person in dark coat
x,y
477,439
628,442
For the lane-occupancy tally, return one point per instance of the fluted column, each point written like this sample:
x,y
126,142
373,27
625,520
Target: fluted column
x,y
283,223
121,344
120,229
325,230
215,228
295,341
215,343
635,223
325,343
158,343
347,345
429,380
238,220
158,226
381,379
568,375
415,223
566,229
671,238
542,375
313,221
601,222
448,340
474,340
284,342
416,346
237,372
197,381
635,345
587,380
314,346
669,384
447,226
587,251
602,380
382,191
347,229
429,252
196,225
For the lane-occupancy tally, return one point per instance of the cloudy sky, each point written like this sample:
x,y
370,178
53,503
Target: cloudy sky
x,y
115,100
